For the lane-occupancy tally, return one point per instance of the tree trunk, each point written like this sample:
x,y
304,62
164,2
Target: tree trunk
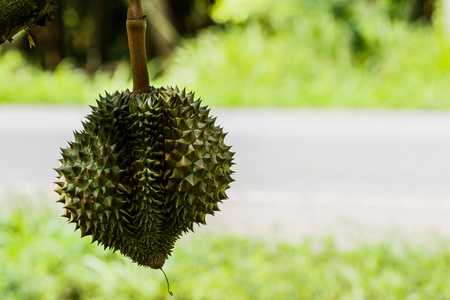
x,y
16,15
162,31
446,12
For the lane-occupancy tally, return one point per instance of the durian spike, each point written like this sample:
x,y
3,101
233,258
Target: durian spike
x,y
136,25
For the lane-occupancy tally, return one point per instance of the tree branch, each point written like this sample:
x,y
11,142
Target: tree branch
x,y
136,25
16,15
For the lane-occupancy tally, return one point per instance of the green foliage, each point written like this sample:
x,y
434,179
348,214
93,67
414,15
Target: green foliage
x,y
242,10
41,258
315,54
296,53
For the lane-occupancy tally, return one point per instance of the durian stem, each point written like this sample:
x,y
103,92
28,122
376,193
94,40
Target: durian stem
x,y
136,26
168,286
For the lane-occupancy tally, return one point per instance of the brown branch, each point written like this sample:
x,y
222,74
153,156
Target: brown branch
x,y
136,26
16,15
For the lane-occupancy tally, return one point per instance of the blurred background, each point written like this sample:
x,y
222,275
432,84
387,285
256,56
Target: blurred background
x,y
301,53
339,114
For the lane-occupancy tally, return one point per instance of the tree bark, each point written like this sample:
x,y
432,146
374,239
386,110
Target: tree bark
x,y
16,15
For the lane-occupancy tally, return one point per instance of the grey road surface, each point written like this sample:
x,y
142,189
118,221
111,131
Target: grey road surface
x,y
355,174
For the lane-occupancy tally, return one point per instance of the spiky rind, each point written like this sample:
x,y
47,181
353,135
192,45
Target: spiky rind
x,y
144,169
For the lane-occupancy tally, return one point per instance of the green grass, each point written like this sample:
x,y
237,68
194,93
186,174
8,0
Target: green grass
x,y
41,258
24,83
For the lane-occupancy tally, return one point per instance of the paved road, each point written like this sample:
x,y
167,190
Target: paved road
x,y
356,174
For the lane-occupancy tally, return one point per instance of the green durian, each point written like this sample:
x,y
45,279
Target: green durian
x,y
144,169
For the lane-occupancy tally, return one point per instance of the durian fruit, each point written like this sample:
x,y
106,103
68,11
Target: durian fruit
x,y
145,168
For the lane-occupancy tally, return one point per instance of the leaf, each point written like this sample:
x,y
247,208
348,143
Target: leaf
x,y
30,39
